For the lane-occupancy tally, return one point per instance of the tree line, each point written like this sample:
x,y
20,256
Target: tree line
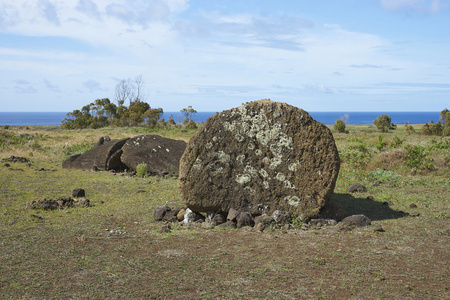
x,y
103,112
383,123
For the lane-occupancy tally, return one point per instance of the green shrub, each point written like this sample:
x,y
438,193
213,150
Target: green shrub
x,y
436,129
383,123
384,175
381,144
356,154
410,129
191,125
396,142
443,144
141,170
417,157
339,126
426,129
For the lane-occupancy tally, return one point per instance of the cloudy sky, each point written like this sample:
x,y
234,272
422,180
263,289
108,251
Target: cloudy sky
x,y
324,55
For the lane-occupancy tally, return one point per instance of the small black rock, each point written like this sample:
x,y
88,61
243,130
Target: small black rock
x,y
78,193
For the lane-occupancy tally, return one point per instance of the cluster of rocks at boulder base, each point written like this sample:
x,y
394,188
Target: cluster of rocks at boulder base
x,y
161,155
239,219
233,218
260,157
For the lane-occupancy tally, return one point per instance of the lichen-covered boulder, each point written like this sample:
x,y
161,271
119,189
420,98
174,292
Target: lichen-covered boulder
x,y
162,155
260,157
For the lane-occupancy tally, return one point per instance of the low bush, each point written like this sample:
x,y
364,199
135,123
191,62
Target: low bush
x,y
417,157
384,175
339,126
141,170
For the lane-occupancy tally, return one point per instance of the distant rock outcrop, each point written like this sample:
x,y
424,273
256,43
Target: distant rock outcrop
x,y
260,157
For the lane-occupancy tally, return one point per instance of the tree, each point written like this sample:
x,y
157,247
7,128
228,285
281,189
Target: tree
x,y
130,90
123,92
134,115
383,123
443,116
188,113
140,94
436,128
446,130
339,126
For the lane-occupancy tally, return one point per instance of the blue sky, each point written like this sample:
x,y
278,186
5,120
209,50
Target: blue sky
x,y
324,55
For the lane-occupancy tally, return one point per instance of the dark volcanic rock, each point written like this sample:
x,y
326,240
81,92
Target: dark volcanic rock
x,y
232,214
356,221
281,217
244,219
105,155
161,155
260,157
218,219
356,187
78,193
228,224
160,211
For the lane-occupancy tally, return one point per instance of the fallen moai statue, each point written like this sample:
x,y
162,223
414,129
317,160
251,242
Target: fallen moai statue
x,y
162,155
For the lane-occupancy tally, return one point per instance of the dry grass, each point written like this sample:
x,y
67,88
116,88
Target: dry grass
x,y
70,253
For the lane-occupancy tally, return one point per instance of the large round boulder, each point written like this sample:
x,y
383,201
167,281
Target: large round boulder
x,y
260,157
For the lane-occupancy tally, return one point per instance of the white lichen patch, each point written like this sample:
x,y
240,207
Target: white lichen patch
x,y
240,158
289,185
280,177
209,145
167,150
266,185
293,166
263,173
243,178
198,164
223,157
292,200
239,138
251,146
275,162
258,152
251,171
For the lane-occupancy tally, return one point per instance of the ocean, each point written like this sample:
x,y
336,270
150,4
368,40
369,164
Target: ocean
x,y
328,118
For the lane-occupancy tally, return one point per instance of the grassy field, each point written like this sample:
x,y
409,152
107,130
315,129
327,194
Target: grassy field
x,y
114,249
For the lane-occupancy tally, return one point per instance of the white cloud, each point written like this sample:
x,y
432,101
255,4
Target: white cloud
x,y
92,85
8,15
89,8
49,11
51,86
24,87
